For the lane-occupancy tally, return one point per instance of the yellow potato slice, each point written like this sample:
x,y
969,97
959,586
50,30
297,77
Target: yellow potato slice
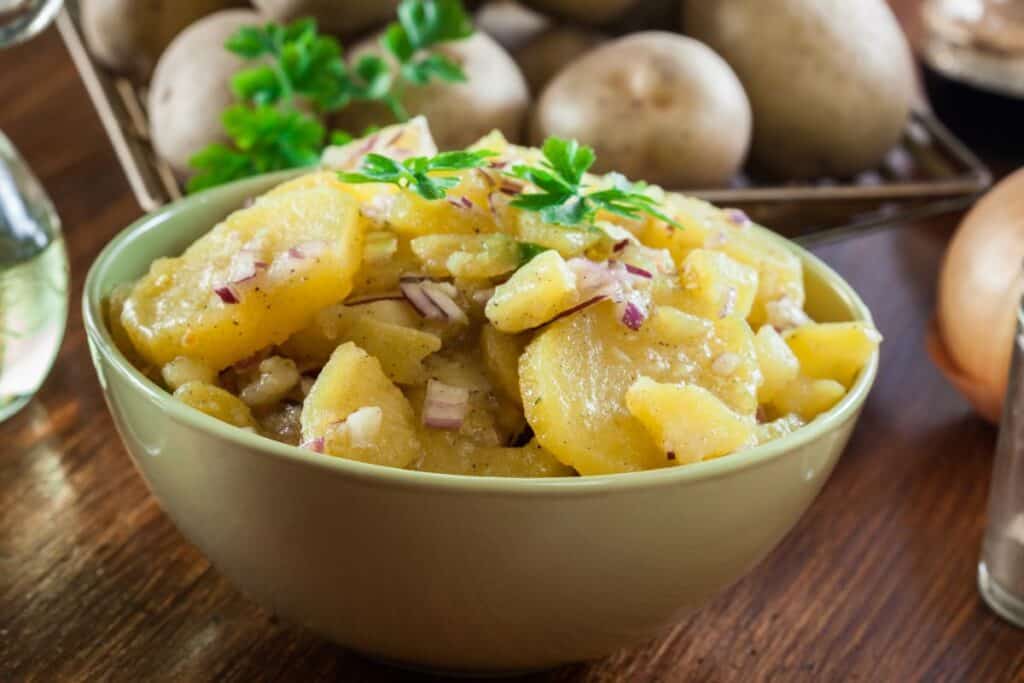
x,y
501,354
534,294
252,281
835,351
353,380
574,376
688,422
215,402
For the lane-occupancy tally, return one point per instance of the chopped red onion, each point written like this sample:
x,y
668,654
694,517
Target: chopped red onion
x,y
497,164
633,316
441,297
363,425
486,176
639,272
316,445
307,250
460,202
579,307
737,217
620,245
445,406
716,239
413,292
511,189
227,294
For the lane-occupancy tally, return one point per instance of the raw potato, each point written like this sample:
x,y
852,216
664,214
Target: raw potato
x,y
494,96
830,81
192,86
509,23
345,18
128,36
655,106
592,12
546,54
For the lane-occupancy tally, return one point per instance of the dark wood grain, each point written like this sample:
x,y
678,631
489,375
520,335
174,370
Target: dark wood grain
x,y
876,583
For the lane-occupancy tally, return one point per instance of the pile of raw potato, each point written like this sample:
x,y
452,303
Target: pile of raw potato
x,y
789,89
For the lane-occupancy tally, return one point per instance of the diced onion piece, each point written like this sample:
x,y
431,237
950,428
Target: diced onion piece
x,y
316,445
413,291
227,294
375,299
726,364
307,250
362,425
785,314
633,316
737,217
638,271
580,307
441,297
445,406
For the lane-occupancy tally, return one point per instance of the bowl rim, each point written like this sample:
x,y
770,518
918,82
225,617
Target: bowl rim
x,y
101,342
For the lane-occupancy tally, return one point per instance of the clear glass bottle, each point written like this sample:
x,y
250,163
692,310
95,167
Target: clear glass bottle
x,y
33,282
23,19
1001,570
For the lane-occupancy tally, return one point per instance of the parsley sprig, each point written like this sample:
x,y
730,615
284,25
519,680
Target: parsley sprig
x,y
562,198
303,76
418,173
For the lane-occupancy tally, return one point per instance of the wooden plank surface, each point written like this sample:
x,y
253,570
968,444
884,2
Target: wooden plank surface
x,y
876,583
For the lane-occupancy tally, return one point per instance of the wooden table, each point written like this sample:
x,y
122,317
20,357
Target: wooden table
x,y
876,583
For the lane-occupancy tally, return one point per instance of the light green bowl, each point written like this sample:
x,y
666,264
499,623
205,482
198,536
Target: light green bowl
x,y
445,571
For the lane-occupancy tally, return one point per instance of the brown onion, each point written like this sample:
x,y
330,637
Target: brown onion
x,y
979,293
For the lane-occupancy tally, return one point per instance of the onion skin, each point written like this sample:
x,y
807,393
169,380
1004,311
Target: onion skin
x,y
980,291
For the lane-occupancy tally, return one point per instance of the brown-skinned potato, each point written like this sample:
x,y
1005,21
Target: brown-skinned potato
x,y
128,36
510,23
494,96
345,18
830,81
546,54
655,106
191,87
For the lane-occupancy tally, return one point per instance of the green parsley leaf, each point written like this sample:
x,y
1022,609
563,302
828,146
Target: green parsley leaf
x,y
340,137
528,250
416,173
428,22
562,199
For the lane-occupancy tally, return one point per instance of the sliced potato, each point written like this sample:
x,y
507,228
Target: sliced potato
x,y
350,381
534,294
779,365
835,351
686,421
215,402
574,376
501,354
808,397
217,306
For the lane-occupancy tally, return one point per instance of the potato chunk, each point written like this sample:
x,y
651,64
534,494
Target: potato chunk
x,y
353,380
779,366
215,402
808,397
469,257
528,461
716,286
835,351
778,428
535,294
251,282
687,422
574,376
501,354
